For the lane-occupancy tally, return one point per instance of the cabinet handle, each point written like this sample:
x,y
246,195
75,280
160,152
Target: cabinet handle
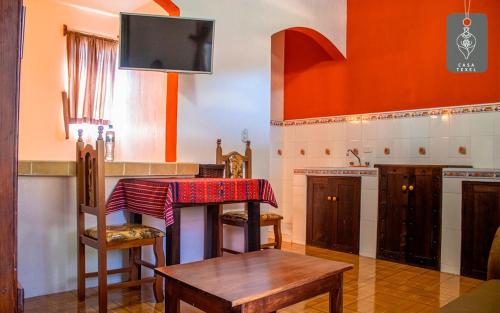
x,y
329,198
404,187
411,188
334,199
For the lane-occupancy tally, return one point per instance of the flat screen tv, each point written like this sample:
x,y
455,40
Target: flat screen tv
x,y
167,44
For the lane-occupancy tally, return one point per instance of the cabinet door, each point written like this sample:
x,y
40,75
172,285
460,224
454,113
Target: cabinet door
x,y
319,212
346,211
393,203
480,220
424,218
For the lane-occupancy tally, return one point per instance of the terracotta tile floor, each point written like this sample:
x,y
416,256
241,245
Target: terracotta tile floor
x,y
373,286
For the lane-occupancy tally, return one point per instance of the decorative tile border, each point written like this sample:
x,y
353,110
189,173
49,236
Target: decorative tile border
x,y
456,110
472,173
112,169
336,171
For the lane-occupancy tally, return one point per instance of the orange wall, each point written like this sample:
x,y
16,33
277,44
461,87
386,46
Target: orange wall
x,y
396,60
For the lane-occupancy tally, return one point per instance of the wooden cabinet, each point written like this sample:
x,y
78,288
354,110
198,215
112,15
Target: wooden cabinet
x,y
409,215
480,220
333,213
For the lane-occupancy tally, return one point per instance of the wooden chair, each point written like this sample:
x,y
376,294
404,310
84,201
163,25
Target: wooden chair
x,y
240,166
91,200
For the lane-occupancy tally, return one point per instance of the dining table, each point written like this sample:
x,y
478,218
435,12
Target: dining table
x,y
164,198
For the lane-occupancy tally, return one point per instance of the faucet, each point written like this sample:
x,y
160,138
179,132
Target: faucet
x,y
355,153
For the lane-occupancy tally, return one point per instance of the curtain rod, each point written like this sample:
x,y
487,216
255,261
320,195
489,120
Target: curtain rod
x,y
66,29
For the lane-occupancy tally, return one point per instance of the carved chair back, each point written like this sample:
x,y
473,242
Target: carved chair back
x,y
236,165
90,180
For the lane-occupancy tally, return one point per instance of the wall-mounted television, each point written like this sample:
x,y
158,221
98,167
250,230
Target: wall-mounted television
x,y
166,44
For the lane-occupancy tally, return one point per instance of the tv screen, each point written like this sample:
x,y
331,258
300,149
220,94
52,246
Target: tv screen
x,y
164,43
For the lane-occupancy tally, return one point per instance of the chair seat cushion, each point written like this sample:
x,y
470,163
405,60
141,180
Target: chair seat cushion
x,y
242,216
126,232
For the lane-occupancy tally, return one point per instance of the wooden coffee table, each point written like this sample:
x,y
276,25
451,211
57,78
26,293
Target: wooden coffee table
x,y
262,281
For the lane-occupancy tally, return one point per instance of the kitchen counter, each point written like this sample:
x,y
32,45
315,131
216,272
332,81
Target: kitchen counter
x,y
337,171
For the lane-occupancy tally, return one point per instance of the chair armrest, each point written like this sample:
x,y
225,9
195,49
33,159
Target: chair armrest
x,y
494,258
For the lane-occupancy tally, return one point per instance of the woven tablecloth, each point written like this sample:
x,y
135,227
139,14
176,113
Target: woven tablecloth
x,y
157,197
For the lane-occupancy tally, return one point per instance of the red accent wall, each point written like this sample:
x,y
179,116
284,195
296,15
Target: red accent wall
x,y
396,60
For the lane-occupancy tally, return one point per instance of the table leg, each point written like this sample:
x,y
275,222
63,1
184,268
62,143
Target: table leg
x,y
172,302
173,240
253,226
213,232
336,304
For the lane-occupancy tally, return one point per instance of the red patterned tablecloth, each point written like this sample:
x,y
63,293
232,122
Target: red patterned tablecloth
x,y
157,197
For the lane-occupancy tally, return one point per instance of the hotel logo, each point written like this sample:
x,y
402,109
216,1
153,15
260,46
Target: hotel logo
x,y
467,43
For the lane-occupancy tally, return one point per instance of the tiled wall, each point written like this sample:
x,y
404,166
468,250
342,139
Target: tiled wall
x,y
451,239
455,137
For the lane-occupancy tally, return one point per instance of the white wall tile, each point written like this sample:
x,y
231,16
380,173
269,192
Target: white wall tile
x,y
353,131
402,127
369,129
299,181
387,129
496,118
420,127
338,131
369,183
339,162
460,161
339,149
301,133
402,148
452,185
319,162
496,147
439,150
482,155
455,143
482,124
316,149
452,210
451,250
323,132
416,144
369,205
368,239
460,125
289,134
440,126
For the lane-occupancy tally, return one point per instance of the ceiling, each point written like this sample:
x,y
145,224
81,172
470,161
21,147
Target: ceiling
x,y
111,6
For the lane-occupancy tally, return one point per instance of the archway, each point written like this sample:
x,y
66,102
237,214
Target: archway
x,y
281,54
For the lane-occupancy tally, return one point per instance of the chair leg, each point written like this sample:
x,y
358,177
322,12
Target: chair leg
x,y
81,271
245,230
102,282
159,262
278,237
134,255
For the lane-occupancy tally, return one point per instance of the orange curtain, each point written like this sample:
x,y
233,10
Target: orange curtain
x,y
91,76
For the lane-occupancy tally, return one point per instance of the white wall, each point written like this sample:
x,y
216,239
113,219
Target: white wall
x,y
47,235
